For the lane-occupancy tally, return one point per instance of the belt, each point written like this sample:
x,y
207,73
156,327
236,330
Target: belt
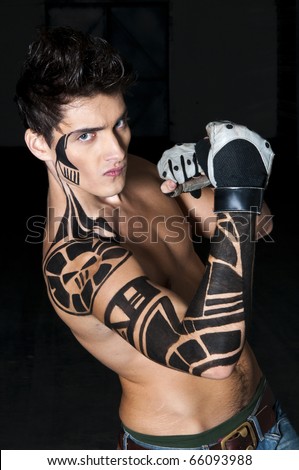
x,y
244,437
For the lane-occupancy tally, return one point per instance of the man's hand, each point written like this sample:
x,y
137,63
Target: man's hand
x,y
238,163
233,159
234,156
181,171
179,163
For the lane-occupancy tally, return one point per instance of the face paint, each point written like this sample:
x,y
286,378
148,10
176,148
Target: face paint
x,y
69,171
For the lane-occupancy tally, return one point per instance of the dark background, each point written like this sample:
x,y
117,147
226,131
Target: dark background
x,y
196,61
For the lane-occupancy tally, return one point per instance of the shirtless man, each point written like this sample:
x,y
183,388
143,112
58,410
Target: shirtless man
x,y
119,262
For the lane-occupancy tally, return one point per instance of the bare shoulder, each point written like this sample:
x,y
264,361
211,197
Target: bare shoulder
x,y
76,270
142,171
144,182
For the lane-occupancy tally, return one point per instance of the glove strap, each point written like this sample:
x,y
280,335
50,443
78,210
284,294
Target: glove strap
x,y
239,200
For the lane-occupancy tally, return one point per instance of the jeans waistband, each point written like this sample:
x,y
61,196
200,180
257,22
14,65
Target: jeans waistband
x,y
243,429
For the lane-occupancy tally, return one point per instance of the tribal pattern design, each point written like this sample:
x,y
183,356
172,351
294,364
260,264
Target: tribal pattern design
x,y
86,252
76,270
212,332
81,258
68,170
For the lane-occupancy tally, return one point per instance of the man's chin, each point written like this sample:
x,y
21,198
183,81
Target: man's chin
x,y
116,190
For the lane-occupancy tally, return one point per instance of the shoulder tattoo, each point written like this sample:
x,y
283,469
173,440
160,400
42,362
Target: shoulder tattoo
x,y
76,270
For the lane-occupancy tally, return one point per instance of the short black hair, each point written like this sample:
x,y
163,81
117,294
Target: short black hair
x,y
63,64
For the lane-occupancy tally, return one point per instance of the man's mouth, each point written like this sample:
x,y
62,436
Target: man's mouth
x,y
114,171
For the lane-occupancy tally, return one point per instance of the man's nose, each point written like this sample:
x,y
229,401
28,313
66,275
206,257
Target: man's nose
x,y
114,148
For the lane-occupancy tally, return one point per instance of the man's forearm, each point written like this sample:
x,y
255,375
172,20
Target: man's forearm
x,y
222,303
209,339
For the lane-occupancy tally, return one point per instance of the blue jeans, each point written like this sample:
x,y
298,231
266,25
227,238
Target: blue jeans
x,y
281,437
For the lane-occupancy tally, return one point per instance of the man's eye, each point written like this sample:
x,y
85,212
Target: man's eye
x,y
121,123
86,136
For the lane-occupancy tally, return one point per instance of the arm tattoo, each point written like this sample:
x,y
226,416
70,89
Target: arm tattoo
x,y
212,332
82,258
76,270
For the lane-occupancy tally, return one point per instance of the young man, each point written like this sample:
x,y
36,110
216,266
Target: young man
x,y
119,262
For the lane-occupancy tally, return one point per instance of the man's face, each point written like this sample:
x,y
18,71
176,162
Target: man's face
x,y
91,148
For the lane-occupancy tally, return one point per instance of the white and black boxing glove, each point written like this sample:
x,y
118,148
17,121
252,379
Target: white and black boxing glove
x,y
238,164
179,164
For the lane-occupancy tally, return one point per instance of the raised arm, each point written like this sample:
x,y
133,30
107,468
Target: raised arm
x,y
209,338
205,338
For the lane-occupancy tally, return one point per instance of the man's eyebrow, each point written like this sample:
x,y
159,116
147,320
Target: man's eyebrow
x,y
87,129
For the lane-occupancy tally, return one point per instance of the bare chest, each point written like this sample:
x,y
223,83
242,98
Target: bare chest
x,y
162,245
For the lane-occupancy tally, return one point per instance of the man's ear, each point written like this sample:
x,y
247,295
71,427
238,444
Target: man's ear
x,y
38,145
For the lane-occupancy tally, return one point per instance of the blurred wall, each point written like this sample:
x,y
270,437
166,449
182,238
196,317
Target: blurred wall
x,y
19,19
297,42
222,64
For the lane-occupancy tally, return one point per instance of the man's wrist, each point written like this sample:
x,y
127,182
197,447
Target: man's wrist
x,y
238,199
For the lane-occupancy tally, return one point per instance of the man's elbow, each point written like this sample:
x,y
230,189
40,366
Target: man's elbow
x,y
264,223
